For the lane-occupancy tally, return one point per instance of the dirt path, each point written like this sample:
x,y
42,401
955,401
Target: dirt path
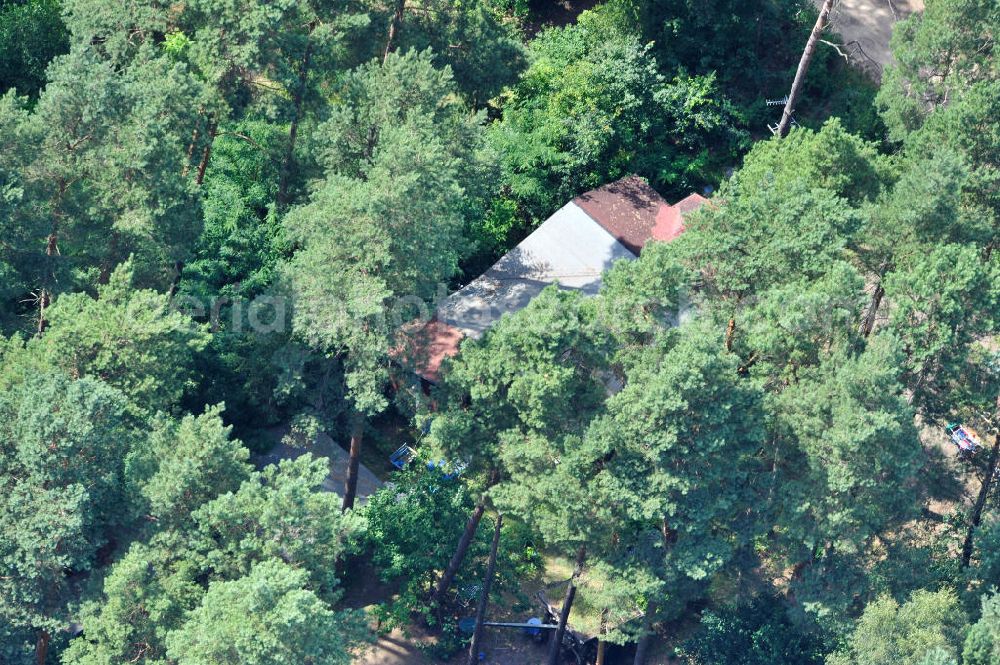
x,y
866,26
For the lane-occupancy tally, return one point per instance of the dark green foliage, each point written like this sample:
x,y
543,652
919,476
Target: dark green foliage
x,y
62,468
753,46
32,33
757,633
241,241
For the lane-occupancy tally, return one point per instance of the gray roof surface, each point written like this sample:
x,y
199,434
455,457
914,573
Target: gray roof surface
x,y
569,248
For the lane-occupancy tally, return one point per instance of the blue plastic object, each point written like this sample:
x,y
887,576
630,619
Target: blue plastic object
x,y
403,456
533,632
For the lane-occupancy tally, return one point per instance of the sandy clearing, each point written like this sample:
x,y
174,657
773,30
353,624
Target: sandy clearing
x,y
866,26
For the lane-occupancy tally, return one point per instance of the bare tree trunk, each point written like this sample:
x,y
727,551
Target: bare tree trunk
x,y
800,73
647,634
555,646
484,598
207,154
190,151
107,267
463,545
43,302
351,483
397,21
977,509
293,130
868,323
51,251
456,559
730,331
42,647
602,646
176,281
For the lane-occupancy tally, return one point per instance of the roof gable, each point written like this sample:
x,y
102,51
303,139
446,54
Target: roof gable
x,y
626,208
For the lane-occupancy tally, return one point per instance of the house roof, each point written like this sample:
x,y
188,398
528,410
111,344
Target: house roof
x,y
572,248
425,347
569,248
670,219
626,208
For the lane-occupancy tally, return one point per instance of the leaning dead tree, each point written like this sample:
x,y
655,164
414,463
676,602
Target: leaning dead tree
x,y
800,73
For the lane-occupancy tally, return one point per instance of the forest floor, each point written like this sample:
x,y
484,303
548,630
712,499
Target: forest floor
x,y
866,26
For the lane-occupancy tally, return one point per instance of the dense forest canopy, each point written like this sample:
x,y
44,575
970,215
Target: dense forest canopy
x,y
218,221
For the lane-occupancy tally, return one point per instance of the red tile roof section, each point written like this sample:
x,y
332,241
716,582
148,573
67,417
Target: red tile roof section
x,y
426,347
670,219
626,208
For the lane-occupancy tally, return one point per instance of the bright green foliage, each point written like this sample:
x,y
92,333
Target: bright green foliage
x,y
593,107
518,381
194,461
280,516
923,206
290,625
62,449
945,92
967,127
923,629
31,35
118,29
99,173
830,158
799,323
982,644
766,234
15,146
241,242
640,299
279,512
146,594
130,338
412,528
387,220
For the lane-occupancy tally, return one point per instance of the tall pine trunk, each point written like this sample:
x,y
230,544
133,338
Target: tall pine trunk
x,y
293,130
555,646
351,483
800,73
647,634
394,25
207,154
602,646
51,252
868,324
463,545
977,509
190,150
42,647
484,598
